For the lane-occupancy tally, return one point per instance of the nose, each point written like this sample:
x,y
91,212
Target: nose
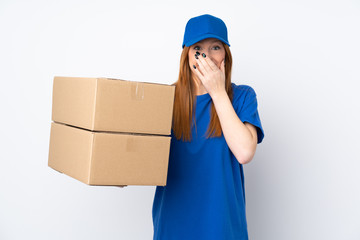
x,y
207,54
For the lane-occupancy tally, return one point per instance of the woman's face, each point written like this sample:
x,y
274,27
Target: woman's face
x,y
212,47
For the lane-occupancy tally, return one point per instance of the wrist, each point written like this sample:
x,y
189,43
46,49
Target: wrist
x,y
219,95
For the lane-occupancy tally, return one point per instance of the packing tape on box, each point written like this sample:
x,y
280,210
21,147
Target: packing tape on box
x,y
137,91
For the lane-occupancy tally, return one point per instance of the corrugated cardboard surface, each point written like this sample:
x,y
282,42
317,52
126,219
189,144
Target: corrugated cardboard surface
x,y
104,104
73,101
104,158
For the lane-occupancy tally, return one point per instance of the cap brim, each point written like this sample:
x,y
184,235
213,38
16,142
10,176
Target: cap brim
x,y
202,37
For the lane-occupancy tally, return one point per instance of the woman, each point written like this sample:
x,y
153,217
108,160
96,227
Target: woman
x,y
216,128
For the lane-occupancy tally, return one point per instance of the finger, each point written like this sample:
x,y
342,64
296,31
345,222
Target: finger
x,y
211,64
222,66
204,65
198,73
200,68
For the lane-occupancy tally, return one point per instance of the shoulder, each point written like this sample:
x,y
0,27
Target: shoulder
x,y
242,91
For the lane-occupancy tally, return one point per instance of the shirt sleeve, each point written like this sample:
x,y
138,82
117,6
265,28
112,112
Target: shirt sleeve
x,y
248,112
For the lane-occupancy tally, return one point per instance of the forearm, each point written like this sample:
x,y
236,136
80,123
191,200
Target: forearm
x,y
236,133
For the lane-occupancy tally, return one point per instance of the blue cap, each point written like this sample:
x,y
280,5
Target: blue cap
x,y
204,26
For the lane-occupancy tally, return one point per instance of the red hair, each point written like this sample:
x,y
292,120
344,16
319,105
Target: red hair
x,y
185,99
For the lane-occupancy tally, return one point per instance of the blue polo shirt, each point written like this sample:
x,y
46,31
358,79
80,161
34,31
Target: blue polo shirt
x,y
204,198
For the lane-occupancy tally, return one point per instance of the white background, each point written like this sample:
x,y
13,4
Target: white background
x,y
302,57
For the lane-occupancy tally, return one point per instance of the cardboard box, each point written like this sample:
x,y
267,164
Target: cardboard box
x,y
105,104
105,158
111,131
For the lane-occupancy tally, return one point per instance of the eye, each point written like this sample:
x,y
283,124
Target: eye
x,y
198,48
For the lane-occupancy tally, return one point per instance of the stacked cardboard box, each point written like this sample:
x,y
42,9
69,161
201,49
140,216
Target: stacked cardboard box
x,y
111,131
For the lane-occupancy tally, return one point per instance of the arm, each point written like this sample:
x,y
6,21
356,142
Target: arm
x,y
240,137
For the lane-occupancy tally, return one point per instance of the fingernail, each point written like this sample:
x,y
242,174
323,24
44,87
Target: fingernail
x,y
197,53
204,55
196,56
194,66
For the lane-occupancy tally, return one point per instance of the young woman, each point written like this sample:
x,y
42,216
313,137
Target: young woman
x,y
216,128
